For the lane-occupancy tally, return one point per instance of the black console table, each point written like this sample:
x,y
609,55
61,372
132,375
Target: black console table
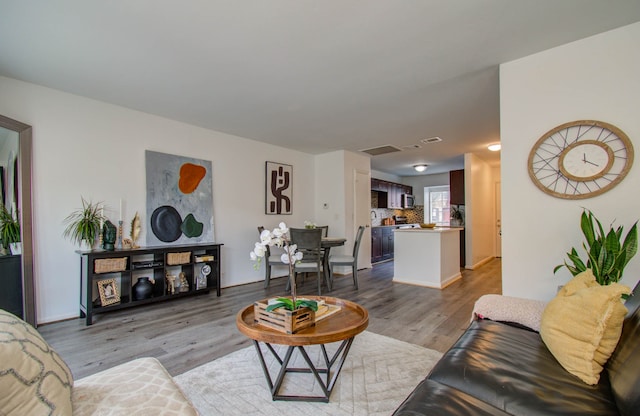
x,y
11,283
102,272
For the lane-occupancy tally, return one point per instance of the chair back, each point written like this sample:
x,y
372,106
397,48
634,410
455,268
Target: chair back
x,y
308,241
325,230
356,246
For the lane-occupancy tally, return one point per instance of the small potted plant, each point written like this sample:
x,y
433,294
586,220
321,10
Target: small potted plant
x,y
84,224
607,254
9,230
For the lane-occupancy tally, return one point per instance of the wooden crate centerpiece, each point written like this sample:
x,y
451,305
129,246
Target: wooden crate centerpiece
x,y
283,320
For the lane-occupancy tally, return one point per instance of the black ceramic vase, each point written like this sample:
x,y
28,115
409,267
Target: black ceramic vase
x,y
142,289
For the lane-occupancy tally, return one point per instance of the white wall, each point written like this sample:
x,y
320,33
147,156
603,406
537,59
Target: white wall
x,y
594,78
479,197
335,187
83,147
385,176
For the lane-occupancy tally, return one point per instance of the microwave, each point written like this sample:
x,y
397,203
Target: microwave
x,y
408,201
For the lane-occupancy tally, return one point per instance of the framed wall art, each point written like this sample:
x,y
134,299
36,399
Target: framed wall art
x,y
179,199
108,292
278,189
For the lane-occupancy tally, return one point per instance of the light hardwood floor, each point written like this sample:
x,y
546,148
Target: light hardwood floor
x,y
189,332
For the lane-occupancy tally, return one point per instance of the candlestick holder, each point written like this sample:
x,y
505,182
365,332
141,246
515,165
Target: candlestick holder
x,y
119,243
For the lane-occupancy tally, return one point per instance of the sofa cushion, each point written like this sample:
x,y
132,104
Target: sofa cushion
x,y
582,328
512,370
138,387
435,399
34,380
623,367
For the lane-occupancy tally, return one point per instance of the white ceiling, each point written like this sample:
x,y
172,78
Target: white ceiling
x,y
315,76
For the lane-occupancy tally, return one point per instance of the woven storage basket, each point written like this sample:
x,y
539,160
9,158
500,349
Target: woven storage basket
x,y
110,265
178,258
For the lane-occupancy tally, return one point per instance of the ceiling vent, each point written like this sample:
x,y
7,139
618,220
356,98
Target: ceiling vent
x,y
382,150
431,140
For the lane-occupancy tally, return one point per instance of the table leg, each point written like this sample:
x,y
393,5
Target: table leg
x,y
325,267
326,385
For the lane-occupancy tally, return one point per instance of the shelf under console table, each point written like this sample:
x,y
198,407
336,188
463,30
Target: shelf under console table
x,y
107,278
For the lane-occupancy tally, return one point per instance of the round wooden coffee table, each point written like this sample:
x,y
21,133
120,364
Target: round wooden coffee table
x,y
343,326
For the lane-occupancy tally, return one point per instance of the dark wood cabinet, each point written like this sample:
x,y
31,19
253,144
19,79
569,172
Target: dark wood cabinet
x,y
388,194
376,244
456,187
126,267
382,244
11,282
387,243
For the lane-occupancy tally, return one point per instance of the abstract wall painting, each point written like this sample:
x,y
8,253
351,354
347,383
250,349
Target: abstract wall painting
x,y
179,199
279,189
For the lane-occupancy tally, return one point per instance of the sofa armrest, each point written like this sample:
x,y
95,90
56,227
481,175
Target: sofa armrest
x,y
525,312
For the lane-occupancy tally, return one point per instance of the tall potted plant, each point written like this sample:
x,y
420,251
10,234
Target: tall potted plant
x,y
9,230
607,254
83,224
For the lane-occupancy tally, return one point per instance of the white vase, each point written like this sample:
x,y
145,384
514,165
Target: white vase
x,y
16,248
86,245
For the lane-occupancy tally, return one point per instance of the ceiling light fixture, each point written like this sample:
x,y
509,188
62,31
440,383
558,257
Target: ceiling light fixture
x,y
494,147
420,168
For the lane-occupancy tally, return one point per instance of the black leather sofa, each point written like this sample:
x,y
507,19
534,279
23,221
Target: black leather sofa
x,y
498,368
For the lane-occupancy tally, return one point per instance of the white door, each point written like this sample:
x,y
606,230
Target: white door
x,y
362,216
498,221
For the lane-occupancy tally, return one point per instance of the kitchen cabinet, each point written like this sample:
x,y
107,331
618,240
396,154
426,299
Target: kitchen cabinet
x,y
376,244
456,187
382,244
387,243
389,194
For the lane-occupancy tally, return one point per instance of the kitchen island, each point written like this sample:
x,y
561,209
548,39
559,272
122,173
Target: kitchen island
x,y
427,256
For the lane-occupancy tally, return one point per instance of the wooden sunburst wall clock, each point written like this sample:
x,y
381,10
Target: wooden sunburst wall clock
x,y
580,159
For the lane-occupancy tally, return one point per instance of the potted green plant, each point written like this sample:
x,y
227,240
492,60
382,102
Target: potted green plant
x,y
9,230
607,254
83,224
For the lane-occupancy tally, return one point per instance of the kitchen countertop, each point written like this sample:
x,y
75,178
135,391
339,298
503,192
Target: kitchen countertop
x,y
429,230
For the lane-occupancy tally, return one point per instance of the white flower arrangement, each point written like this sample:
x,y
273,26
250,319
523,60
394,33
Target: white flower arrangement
x,y
309,224
278,238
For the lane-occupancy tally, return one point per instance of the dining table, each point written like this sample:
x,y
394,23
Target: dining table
x,y
326,245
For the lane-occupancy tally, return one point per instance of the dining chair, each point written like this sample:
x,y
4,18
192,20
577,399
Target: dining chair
x,y
270,260
325,230
344,260
309,242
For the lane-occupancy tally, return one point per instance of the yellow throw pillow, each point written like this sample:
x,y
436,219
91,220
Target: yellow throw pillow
x,y
583,328
579,281
33,378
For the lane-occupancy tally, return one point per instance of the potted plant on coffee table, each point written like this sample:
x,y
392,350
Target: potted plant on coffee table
x,y
10,230
607,253
83,224
292,305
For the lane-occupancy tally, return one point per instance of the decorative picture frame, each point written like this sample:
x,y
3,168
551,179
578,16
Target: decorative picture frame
x,y
278,189
108,290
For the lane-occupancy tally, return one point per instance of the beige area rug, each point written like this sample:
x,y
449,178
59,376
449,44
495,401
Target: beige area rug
x,y
378,374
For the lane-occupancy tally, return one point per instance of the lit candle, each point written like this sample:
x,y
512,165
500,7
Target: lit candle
x,y
120,209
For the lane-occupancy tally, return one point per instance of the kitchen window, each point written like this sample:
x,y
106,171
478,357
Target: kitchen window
x,y
438,211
